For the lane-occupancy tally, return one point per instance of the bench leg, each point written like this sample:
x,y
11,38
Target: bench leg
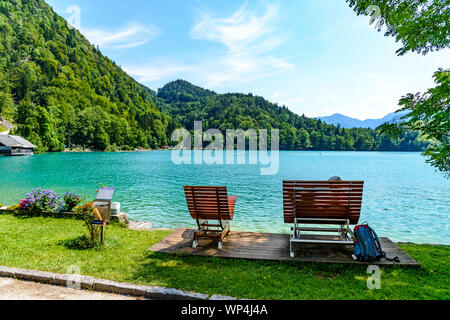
x,y
295,233
218,235
197,234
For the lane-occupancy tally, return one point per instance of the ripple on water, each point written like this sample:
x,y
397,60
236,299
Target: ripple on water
x,y
404,198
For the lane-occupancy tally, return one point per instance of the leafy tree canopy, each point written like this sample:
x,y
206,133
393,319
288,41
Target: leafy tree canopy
x,y
60,90
430,115
420,25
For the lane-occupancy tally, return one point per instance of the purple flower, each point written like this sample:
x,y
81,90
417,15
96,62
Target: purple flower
x,y
41,200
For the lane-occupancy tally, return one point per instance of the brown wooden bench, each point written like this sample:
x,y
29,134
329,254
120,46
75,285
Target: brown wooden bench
x,y
322,203
210,203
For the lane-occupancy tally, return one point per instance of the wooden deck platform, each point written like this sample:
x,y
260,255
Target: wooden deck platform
x,y
267,246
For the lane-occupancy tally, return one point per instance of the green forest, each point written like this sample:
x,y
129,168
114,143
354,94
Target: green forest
x,y
187,103
60,91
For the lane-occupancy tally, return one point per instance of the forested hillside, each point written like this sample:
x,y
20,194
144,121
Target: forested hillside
x,y
187,103
59,90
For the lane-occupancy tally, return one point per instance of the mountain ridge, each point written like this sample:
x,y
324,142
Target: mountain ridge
x,y
59,90
187,103
349,122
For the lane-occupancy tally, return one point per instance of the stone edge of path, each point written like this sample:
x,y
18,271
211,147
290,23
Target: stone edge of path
x,y
101,285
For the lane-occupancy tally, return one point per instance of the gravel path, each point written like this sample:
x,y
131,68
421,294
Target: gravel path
x,y
11,289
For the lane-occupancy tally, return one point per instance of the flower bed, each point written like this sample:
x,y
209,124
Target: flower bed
x,y
46,203
39,200
120,218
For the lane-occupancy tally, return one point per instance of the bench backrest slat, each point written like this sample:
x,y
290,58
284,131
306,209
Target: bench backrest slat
x,y
322,199
208,203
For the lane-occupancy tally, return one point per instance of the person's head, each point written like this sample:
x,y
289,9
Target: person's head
x,y
335,178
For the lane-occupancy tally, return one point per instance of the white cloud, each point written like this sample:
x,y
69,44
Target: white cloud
x,y
280,64
249,36
334,97
131,36
293,103
155,71
242,31
298,100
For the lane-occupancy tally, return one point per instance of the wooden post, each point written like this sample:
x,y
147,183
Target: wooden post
x,y
102,237
102,225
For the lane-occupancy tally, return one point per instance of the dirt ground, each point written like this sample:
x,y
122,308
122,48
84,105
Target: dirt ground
x,y
11,289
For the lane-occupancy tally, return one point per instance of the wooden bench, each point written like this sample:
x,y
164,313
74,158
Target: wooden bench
x,y
322,203
210,204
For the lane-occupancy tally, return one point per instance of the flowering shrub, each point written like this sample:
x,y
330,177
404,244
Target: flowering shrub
x,y
25,204
71,200
14,207
39,200
86,209
89,213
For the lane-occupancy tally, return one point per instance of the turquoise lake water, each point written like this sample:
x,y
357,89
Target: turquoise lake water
x,y
404,198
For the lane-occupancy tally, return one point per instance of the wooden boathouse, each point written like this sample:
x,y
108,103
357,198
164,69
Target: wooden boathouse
x,y
15,146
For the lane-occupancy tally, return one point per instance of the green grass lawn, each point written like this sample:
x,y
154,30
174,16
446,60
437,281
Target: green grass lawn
x,y
41,243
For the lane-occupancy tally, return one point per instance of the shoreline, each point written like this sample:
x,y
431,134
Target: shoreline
x,y
100,151
171,149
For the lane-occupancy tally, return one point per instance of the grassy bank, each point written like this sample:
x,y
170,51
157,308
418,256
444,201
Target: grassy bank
x,y
45,244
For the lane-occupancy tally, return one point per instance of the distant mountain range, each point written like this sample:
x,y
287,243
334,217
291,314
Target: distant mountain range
x,y
347,122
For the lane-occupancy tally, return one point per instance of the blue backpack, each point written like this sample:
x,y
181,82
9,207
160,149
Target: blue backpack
x,y
367,245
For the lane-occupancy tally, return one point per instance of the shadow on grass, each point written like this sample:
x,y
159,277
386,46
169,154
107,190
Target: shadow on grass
x,y
81,243
204,273
153,258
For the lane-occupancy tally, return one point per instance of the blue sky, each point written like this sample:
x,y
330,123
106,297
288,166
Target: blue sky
x,y
314,56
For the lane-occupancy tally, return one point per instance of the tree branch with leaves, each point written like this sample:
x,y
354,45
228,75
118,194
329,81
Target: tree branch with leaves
x,y
430,115
422,26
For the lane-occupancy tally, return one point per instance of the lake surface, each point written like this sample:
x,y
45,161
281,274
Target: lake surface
x,y
404,198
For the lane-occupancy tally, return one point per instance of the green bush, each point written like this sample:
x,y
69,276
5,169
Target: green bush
x,y
71,200
14,207
111,148
126,148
